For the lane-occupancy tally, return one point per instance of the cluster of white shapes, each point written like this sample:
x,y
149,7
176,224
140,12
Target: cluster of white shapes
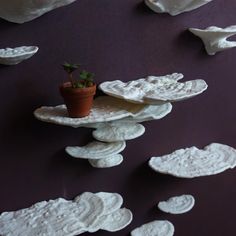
x,y
175,7
154,89
215,38
177,205
20,11
99,154
13,56
105,109
88,212
155,228
193,162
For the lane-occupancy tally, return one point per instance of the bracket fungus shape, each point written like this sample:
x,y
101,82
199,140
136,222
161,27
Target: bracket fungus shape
x,y
20,11
215,38
177,205
175,7
88,212
154,89
96,150
155,228
13,56
193,162
118,131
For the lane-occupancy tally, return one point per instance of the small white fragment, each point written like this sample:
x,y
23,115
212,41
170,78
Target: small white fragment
x,y
215,38
107,162
118,131
193,162
155,228
175,7
96,150
13,56
177,205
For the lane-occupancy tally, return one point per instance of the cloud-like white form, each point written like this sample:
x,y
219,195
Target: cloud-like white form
x,y
177,205
175,7
215,38
154,89
20,11
155,228
88,212
13,56
193,162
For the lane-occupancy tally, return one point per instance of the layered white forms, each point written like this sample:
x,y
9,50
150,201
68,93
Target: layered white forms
x,y
105,109
215,38
88,212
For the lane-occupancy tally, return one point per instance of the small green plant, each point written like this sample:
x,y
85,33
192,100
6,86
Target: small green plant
x,y
85,78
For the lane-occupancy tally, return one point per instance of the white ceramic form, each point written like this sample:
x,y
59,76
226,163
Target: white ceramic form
x,y
175,7
155,228
193,162
20,11
13,56
105,108
118,131
177,205
96,150
107,162
150,112
154,89
215,38
88,212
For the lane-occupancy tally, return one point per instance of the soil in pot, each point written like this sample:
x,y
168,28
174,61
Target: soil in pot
x,y
78,101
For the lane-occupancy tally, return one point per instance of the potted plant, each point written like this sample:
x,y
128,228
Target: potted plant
x,y
78,93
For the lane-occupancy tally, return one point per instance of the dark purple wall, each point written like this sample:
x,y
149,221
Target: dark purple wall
x,y
119,40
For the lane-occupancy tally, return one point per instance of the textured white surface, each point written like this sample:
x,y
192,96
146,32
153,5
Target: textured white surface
x,y
88,212
118,131
154,89
175,7
96,150
117,220
20,11
151,112
193,162
215,38
105,108
13,56
178,204
112,201
155,228
107,162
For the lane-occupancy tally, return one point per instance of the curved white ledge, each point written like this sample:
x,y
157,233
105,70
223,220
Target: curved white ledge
x,y
20,11
215,38
13,56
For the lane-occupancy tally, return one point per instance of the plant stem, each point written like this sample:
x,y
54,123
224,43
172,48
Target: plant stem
x,y
71,80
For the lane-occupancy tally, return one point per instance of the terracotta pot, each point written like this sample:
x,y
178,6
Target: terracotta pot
x,y
78,100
